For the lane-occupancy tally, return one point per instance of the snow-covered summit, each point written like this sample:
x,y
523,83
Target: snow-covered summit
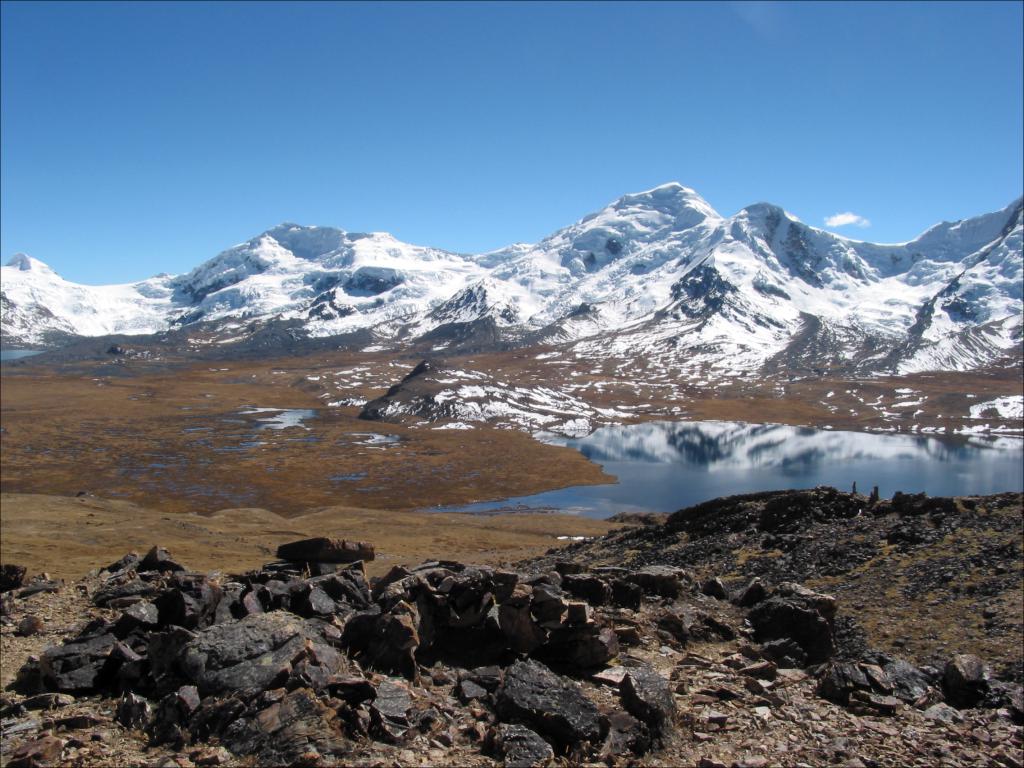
x,y
657,273
25,263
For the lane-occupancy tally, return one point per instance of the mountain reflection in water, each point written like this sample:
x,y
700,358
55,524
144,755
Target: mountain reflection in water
x,y
718,444
663,466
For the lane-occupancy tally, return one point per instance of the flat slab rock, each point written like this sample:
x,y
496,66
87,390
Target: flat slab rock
x,y
255,652
533,695
76,666
324,550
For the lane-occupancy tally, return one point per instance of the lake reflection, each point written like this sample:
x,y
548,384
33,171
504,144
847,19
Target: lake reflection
x,y
663,466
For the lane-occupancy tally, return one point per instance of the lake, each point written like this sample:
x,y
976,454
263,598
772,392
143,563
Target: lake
x,y
664,466
14,354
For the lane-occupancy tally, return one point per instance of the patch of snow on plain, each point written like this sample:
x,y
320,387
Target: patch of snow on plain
x,y
1011,407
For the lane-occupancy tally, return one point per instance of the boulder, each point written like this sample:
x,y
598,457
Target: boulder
x,y
467,690
389,712
385,641
325,550
129,561
488,678
190,600
517,624
842,679
626,594
661,580
647,696
587,587
533,695
796,613
43,751
396,574
258,652
347,585
785,653
143,615
626,736
504,583
76,666
752,594
714,587
547,606
134,587
159,559
519,747
352,689
583,646
169,722
965,681
296,730
11,576
312,601
909,683
577,613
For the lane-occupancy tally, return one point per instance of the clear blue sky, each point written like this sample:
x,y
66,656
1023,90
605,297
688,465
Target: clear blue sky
x,y
140,138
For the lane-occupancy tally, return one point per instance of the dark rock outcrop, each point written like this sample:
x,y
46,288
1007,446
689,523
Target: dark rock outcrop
x,y
965,681
256,652
796,613
533,695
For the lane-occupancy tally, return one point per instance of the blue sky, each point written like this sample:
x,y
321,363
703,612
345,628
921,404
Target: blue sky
x,y
140,138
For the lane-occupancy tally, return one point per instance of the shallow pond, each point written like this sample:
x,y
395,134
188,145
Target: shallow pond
x,y
664,466
280,418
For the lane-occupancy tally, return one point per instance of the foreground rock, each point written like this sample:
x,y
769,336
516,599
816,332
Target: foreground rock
x,y
534,696
449,663
257,652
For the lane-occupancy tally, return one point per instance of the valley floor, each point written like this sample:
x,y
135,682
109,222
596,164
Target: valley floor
x,y
181,436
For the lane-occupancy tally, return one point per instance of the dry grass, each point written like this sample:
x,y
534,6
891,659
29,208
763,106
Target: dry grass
x,y
174,442
68,537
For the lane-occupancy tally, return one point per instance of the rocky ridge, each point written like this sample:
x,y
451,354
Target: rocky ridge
x,y
561,659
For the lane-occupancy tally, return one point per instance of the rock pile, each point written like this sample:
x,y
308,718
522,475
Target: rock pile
x,y
307,662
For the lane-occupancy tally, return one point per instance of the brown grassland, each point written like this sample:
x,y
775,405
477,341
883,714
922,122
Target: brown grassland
x,y
163,453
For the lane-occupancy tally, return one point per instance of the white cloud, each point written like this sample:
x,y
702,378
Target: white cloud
x,y
846,219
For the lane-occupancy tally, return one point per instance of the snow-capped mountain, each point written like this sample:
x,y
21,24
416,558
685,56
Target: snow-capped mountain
x,y
658,276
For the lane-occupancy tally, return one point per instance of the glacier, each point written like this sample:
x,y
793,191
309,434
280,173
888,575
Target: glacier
x,y
656,277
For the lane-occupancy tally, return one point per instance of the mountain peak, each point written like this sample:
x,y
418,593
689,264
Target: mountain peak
x,y
25,263
308,242
672,199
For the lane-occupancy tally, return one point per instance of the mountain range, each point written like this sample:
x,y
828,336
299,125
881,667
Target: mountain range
x,y
658,277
